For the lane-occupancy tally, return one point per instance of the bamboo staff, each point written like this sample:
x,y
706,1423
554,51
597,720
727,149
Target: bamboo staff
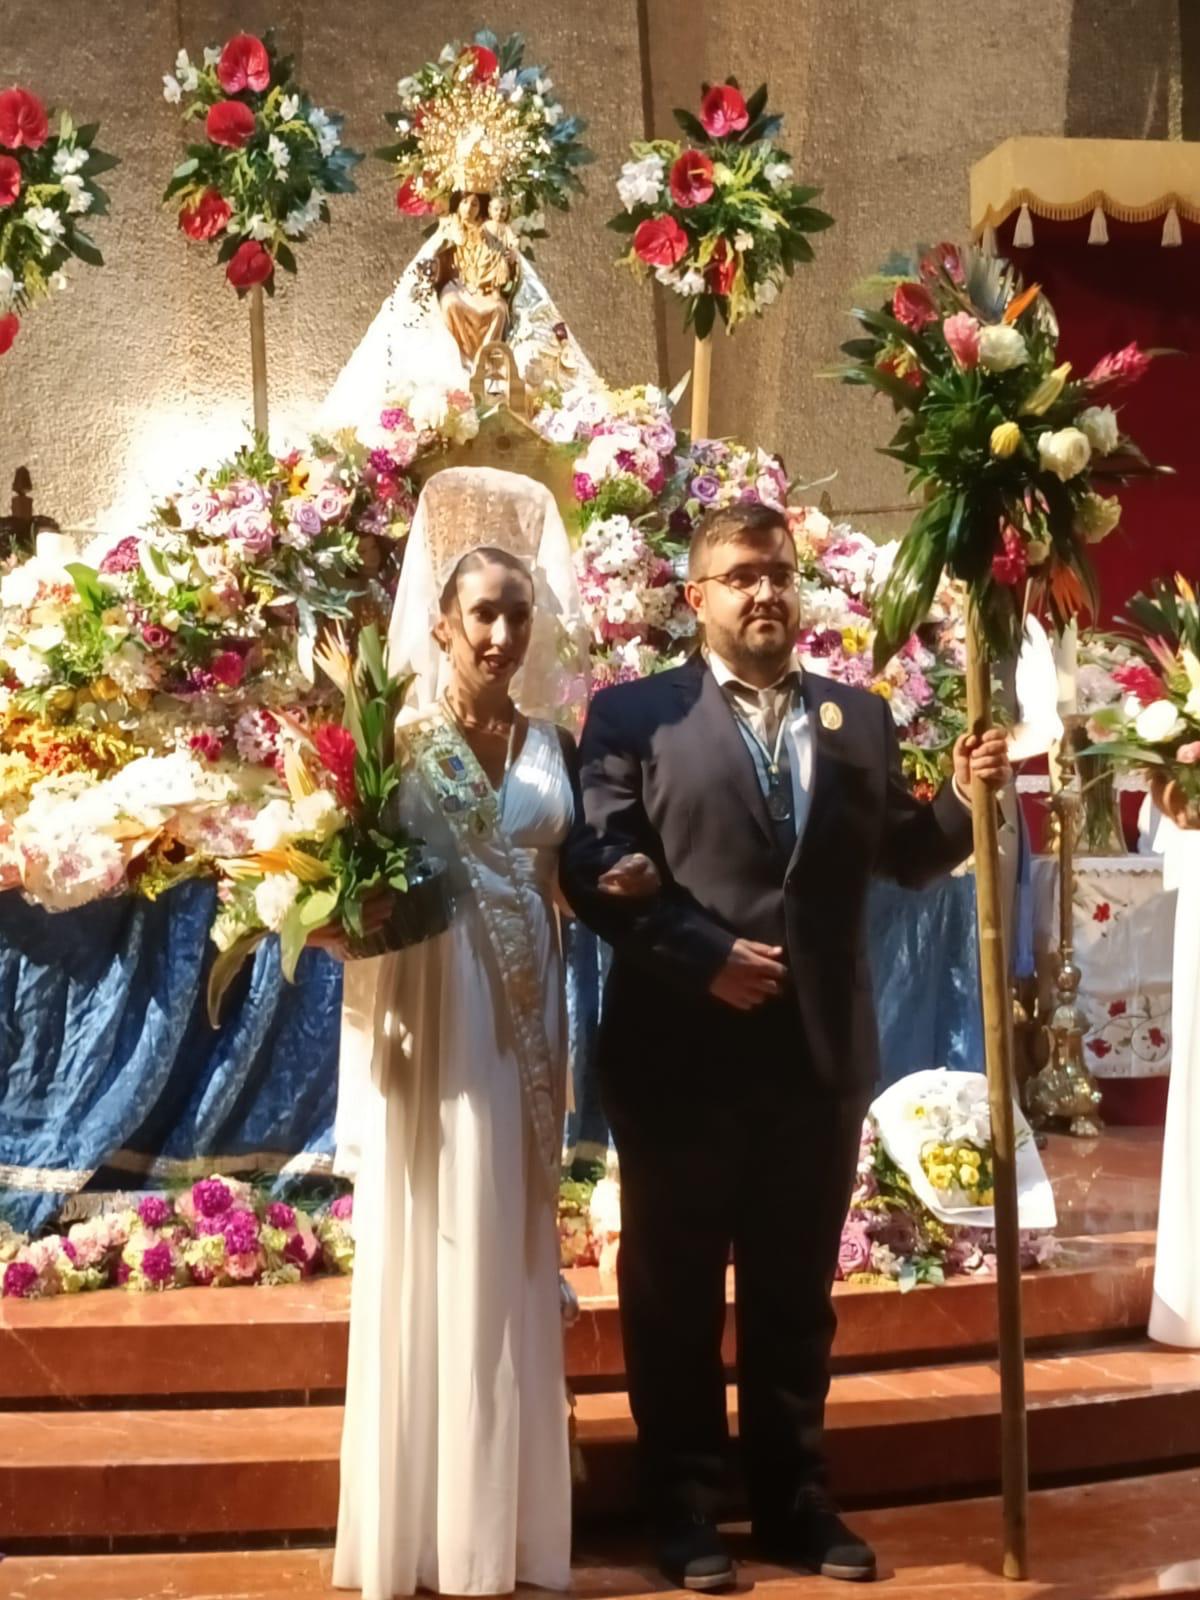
x,y
997,1025
701,383
258,360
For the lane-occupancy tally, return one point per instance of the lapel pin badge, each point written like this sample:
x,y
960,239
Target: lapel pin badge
x,y
831,716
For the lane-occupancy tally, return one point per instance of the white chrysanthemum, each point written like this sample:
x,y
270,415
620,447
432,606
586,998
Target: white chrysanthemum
x,y
274,897
1100,425
318,815
28,667
778,174
1001,348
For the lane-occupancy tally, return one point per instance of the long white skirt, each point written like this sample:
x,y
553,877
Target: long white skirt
x,y
455,1454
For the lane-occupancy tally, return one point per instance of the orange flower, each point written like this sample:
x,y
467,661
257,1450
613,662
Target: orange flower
x,y
1022,303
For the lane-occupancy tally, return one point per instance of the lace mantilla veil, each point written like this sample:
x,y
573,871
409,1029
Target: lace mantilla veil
x,y
408,345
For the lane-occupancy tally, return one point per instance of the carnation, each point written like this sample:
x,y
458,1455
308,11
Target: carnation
x,y
154,1211
1100,425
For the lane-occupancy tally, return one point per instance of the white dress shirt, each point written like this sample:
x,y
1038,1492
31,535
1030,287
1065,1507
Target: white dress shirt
x,y
761,709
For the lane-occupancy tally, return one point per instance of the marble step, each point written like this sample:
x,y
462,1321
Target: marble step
x,y
291,1340
1129,1539
894,1435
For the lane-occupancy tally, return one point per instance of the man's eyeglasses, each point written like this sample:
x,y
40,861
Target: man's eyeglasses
x,y
747,580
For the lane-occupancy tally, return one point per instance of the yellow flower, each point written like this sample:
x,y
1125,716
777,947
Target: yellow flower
x,y
1006,437
968,1176
298,778
987,1197
333,657
1047,392
882,688
855,640
1186,592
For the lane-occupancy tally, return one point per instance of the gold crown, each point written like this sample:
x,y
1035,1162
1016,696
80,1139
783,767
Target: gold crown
x,y
473,139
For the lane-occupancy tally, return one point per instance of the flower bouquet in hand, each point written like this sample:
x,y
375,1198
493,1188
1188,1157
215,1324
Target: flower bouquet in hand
x,y
1156,725
719,219
330,857
1006,446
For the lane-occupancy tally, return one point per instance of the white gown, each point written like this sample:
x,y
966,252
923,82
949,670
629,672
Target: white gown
x,y
455,1454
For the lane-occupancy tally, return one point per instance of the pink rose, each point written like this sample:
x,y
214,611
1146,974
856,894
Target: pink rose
x,y
1189,754
330,503
913,305
961,332
854,1253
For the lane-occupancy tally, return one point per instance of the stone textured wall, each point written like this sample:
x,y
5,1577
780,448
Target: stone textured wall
x,y
143,369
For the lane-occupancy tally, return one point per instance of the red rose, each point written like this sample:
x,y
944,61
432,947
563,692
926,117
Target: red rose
x,y
485,62
913,306
410,202
244,64
206,217
692,179
230,123
723,111
660,242
23,120
10,180
251,264
10,326
722,269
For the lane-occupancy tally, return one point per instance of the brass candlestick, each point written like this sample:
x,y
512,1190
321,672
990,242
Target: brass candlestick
x,y
1063,1093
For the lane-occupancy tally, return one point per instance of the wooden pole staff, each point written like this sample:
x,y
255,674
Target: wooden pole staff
x,y
997,1027
258,359
701,382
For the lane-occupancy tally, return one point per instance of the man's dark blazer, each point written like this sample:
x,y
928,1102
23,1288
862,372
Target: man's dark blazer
x,y
665,770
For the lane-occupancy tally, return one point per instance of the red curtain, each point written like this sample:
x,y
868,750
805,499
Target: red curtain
x,y
1106,296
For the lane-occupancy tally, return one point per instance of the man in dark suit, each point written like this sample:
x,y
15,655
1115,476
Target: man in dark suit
x,y
738,1046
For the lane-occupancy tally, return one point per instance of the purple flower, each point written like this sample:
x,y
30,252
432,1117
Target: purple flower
x,y
382,461
154,1210
297,1252
125,556
280,1215
19,1279
896,1229
343,1207
395,420
749,496
254,531
627,461
241,1233
69,1250
585,489
211,1198
679,522
823,643
660,436
706,488
158,1264
156,636
121,1275
854,1254
306,519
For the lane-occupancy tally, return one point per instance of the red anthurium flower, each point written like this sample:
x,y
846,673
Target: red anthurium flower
x,y
23,120
230,123
913,305
10,326
206,217
486,62
251,265
692,179
660,242
723,111
411,202
10,180
722,269
244,64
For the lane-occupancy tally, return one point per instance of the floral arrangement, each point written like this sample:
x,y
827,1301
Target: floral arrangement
x,y
890,1237
218,1233
47,186
1005,445
261,180
1154,725
719,219
842,573
479,119
329,851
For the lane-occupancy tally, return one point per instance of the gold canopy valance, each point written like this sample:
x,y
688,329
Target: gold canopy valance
x,y
1133,180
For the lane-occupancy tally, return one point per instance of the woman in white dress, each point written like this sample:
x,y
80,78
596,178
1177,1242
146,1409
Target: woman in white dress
x,y
455,1456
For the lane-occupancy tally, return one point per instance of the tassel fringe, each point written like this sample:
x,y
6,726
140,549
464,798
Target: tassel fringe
x,y
1023,232
1172,235
1098,233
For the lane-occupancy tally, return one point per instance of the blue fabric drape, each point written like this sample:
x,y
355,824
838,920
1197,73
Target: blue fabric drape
x,y
110,1074
107,1060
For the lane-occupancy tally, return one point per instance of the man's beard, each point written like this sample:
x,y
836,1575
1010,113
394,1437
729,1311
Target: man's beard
x,y
744,649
